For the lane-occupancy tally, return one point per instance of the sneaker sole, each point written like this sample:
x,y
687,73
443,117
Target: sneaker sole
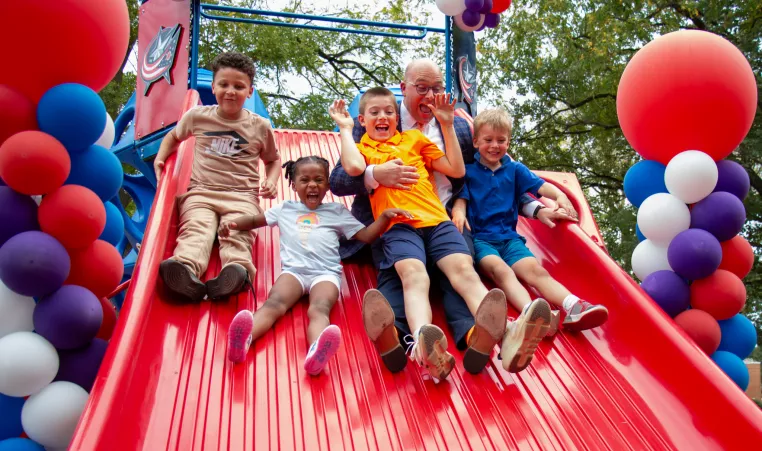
x,y
534,329
327,346
489,329
178,279
435,347
238,336
588,320
231,280
378,320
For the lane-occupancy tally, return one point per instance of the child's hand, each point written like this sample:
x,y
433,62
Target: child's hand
x,y
548,216
565,204
443,108
339,114
158,167
268,190
225,228
392,213
460,221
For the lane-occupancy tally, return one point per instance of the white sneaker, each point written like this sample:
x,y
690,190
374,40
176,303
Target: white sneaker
x,y
523,336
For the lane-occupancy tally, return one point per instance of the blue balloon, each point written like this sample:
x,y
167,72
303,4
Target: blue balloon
x,y
114,230
20,444
733,366
10,412
73,114
642,180
639,234
98,169
738,336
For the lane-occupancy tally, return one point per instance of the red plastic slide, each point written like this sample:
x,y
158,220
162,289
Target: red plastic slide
x,y
636,383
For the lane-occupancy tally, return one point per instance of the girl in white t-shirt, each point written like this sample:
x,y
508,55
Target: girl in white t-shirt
x,y
309,249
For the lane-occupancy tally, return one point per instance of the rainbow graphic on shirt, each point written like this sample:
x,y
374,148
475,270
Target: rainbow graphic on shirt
x,y
305,224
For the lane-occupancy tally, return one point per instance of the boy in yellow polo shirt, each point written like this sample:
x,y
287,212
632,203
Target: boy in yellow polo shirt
x,y
429,234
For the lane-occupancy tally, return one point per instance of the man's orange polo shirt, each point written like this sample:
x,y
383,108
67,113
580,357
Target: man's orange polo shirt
x,y
414,149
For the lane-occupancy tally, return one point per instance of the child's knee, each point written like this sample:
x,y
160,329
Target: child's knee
x,y
275,305
536,272
410,269
503,272
319,308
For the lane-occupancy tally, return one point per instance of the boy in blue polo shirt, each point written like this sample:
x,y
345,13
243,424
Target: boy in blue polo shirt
x,y
490,203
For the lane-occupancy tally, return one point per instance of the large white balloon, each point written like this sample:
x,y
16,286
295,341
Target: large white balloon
x,y
451,7
662,216
107,137
648,258
50,416
691,176
15,312
28,362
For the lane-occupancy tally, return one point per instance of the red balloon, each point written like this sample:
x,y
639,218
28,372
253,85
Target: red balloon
x,y
499,6
686,90
34,163
17,113
73,215
109,320
702,328
78,41
737,256
722,294
98,267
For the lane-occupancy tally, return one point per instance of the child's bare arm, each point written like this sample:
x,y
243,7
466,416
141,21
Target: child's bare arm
x,y
351,159
452,163
459,214
248,222
268,189
552,192
169,145
373,231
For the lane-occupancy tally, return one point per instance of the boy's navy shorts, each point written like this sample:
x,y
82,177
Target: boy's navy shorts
x,y
404,241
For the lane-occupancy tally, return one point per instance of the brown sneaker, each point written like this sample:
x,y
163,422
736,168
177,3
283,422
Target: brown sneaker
x,y
430,351
378,318
584,315
181,281
232,280
488,330
524,334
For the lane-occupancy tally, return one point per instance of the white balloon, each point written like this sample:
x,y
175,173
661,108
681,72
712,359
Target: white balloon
x,y
648,258
28,363
459,22
15,312
662,216
451,7
691,176
50,416
107,137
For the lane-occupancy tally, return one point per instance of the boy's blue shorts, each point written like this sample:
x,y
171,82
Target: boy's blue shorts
x,y
510,251
403,241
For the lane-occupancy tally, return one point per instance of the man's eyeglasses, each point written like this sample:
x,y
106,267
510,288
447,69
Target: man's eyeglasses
x,y
422,90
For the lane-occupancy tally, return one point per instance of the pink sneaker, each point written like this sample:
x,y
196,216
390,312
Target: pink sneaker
x,y
239,336
322,350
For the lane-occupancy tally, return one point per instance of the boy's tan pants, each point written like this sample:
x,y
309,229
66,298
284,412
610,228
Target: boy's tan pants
x,y
201,212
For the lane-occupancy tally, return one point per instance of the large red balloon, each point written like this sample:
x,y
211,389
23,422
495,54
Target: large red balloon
x,y
17,113
109,320
73,215
686,90
722,294
46,43
702,328
737,256
34,162
98,267
499,6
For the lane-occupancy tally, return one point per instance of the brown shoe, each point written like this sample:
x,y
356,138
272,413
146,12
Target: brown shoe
x,y
232,280
524,334
489,329
378,318
181,281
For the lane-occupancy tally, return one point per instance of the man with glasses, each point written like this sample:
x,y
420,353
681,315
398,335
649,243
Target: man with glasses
x,y
423,79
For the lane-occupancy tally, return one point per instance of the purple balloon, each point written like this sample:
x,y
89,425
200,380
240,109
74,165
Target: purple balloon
x,y
487,8
18,213
471,18
474,5
81,365
491,20
721,214
33,264
669,291
732,178
694,254
69,318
